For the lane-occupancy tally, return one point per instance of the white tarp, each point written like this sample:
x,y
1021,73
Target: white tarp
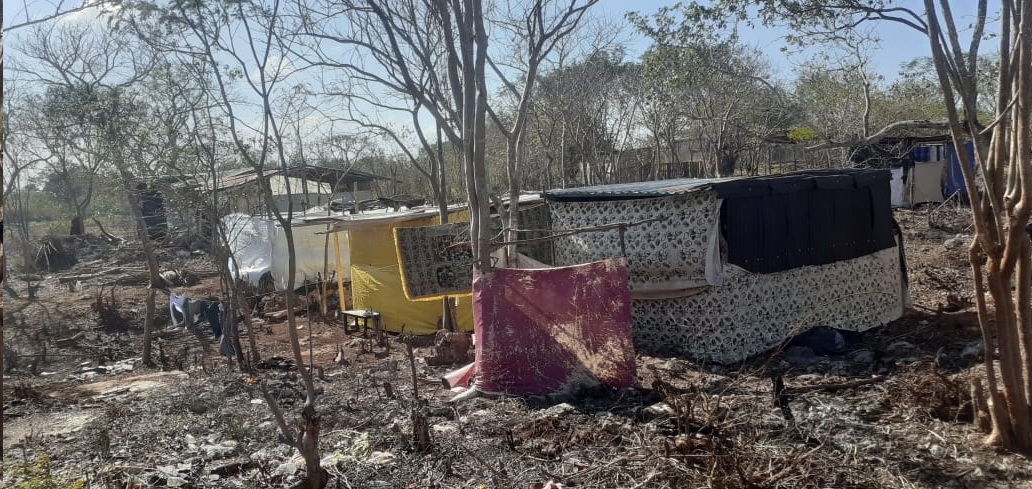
x,y
250,244
896,187
925,183
260,246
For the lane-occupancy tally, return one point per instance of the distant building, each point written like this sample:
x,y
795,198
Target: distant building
x,y
691,159
299,188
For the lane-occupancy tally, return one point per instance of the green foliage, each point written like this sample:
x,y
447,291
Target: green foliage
x,y
108,113
706,86
37,475
29,204
918,89
801,134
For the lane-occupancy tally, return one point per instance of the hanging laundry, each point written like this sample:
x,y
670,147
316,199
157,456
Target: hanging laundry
x,y
229,344
193,311
212,311
185,307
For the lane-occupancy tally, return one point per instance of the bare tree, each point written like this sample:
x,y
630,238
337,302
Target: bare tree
x,y
837,90
21,154
1002,210
719,92
248,45
22,19
534,34
562,113
432,54
90,76
69,60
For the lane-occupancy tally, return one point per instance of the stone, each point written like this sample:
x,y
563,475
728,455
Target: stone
x,y
221,450
289,467
380,458
658,409
675,365
559,410
955,242
445,428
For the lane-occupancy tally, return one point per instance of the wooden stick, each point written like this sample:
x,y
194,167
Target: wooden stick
x,y
412,367
834,387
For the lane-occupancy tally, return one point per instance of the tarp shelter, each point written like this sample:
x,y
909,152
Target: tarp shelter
x,y
554,330
724,269
376,279
954,173
375,275
259,246
922,177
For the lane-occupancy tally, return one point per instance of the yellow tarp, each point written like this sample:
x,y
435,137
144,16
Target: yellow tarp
x,y
376,282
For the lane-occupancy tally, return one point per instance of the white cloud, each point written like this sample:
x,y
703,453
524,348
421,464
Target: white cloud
x,y
96,12
276,69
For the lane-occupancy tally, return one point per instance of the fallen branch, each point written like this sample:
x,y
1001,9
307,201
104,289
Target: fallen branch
x,y
136,278
835,387
70,341
882,134
940,281
108,236
74,278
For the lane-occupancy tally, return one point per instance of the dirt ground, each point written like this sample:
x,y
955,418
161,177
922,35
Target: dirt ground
x,y
890,411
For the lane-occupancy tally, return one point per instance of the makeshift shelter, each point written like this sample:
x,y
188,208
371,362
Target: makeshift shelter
x,y
931,173
724,269
259,247
921,177
376,264
296,188
376,282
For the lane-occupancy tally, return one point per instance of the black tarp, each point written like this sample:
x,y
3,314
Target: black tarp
x,y
780,222
814,218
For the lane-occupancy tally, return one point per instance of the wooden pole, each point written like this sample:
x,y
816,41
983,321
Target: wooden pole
x,y
340,271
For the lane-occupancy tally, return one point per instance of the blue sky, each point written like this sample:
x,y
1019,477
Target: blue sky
x,y
898,43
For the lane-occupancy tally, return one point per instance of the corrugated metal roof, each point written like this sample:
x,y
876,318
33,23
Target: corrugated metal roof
x,y
377,217
758,185
638,190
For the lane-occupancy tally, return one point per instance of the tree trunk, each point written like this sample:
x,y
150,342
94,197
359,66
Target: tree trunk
x,y
152,264
1000,213
77,227
316,477
3,269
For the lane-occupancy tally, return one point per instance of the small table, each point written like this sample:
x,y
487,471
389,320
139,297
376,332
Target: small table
x,y
365,315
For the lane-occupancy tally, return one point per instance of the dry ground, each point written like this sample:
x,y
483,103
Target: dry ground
x,y
890,412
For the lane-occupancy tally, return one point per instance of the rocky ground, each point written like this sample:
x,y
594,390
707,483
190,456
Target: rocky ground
x,y
888,409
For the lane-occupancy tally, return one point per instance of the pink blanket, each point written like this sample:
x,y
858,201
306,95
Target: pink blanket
x,y
550,331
